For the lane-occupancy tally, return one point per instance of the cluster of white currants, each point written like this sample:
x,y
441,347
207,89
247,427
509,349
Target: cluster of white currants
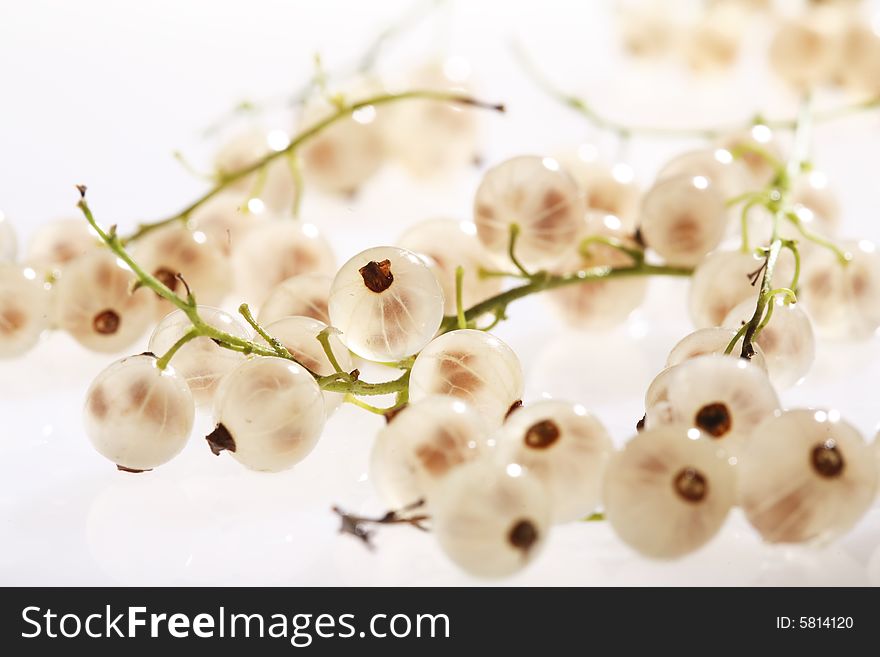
x,y
819,43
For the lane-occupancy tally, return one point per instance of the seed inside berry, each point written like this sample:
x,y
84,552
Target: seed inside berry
x,y
714,419
377,275
691,485
106,322
542,434
827,460
523,535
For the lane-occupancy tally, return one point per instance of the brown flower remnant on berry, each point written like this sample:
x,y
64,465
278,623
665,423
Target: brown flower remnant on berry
x,y
714,419
691,485
167,277
106,322
827,460
220,439
542,435
377,275
523,535
515,406
122,468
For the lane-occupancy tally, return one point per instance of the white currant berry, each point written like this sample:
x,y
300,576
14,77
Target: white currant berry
x,y
724,398
304,295
137,415
536,195
490,520
299,335
647,30
175,251
95,304
269,413
719,165
421,446
472,365
753,147
606,188
806,476
665,494
57,243
8,240
803,50
658,390
811,191
562,445
24,309
387,303
712,340
843,301
787,341
683,218
721,282
450,244
344,155
225,219
713,43
275,251
431,137
274,186
201,362
858,63
601,303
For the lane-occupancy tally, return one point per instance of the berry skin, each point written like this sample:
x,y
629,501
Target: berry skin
x,y
387,303
843,301
24,309
201,362
658,389
8,240
449,244
563,446
751,147
269,414
490,520
806,476
299,335
725,398
719,165
666,494
95,304
858,64
787,341
713,43
225,220
274,186
58,243
473,366
712,341
606,188
421,446
343,156
719,283
174,250
598,304
137,415
811,192
428,137
535,194
647,30
803,51
683,218
275,251
304,295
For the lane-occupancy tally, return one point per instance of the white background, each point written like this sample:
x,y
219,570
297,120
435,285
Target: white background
x,y
102,92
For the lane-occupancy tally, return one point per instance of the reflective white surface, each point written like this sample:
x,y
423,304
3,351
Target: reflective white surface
x,y
92,98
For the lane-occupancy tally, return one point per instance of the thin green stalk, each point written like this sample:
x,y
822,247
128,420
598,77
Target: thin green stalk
x,y
636,254
324,338
279,349
511,250
843,256
162,362
459,306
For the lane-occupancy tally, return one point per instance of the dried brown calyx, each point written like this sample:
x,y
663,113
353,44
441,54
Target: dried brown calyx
x,y
827,460
122,468
691,485
220,440
167,277
523,535
106,322
377,275
542,435
714,419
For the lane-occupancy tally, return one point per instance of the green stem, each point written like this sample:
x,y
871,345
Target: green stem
x,y
191,334
296,175
843,256
342,112
324,338
511,250
459,306
636,254
279,349
351,399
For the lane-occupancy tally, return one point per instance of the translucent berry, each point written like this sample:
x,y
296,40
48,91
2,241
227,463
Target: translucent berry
x,y
535,194
719,165
803,51
758,150
666,494
299,335
449,244
274,186
137,415
490,520
811,191
472,365
712,44
304,295
95,303
565,447
806,476
57,243
606,188
24,309
721,282
711,341
269,414
225,220
387,303
201,362
421,446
